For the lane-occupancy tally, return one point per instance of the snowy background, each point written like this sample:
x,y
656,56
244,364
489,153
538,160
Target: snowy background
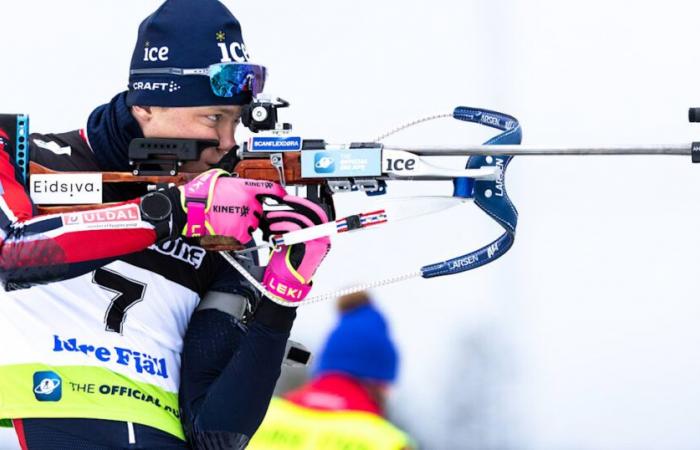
x,y
584,336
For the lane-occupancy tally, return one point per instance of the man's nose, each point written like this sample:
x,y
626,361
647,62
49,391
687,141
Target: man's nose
x,y
227,139
226,144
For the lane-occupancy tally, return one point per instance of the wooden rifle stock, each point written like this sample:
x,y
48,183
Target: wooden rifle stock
x,y
262,169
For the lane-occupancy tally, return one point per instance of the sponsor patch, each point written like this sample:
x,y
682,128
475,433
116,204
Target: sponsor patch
x,y
275,144
47,386
324,163
155,86
66,189
138,361
341,163
231,209
181,250
259,184
126,216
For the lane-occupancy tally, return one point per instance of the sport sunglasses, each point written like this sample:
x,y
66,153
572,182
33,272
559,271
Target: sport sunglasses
x,y
226,79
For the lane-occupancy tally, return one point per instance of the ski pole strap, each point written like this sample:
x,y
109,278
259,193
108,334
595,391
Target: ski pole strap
x,y
489,195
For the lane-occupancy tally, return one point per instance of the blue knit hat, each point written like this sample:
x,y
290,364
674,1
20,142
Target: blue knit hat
x,y
360,346
185,34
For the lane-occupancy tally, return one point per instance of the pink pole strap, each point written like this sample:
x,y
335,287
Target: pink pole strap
x,y
197,197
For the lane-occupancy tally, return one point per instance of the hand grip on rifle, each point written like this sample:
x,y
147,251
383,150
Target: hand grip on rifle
x,y
219,205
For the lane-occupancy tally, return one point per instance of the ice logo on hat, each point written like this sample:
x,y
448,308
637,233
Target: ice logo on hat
x,y
234,52
154,54
47,386
323,163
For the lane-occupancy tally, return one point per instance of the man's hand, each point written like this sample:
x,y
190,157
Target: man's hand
x,y
219,205
288,275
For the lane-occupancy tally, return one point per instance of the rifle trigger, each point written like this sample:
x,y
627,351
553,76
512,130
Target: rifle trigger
x,y
278,163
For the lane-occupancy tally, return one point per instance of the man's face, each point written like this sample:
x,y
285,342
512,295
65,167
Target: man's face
x,y
197,122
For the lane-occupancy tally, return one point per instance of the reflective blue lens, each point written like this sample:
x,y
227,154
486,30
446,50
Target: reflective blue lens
x,y
229,79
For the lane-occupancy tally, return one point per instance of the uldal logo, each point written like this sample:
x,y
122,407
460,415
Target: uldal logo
x,y
127,213
323,163
47,386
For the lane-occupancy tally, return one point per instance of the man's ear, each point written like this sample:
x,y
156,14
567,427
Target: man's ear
x,y
142,114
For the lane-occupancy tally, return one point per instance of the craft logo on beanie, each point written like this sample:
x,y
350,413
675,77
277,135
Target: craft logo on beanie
x,y
185,34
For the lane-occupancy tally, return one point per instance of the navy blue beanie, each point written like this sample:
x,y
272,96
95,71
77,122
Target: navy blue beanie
x,y
185,34
360,346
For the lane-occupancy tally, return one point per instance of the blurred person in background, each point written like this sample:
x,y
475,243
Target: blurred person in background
x,y
343,406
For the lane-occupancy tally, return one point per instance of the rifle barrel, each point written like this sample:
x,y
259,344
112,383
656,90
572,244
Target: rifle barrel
x,y
538,150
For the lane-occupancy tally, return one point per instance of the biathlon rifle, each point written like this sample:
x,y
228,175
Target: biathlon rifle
x,y
328,169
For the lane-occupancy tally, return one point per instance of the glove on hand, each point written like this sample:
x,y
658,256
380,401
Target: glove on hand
x,y
217,204
288,275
